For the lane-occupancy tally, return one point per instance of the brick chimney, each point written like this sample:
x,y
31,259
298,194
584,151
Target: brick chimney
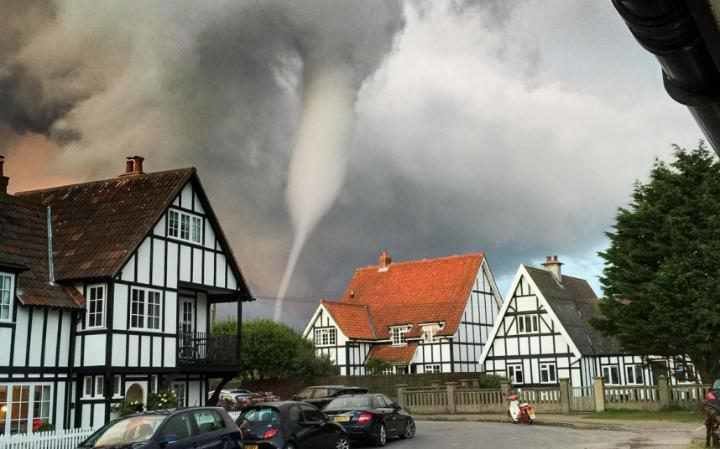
x,y
553,265
384,261
133,165
3,179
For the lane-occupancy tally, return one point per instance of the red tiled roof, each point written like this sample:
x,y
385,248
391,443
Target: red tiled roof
x,y
353,319
412,292
393,354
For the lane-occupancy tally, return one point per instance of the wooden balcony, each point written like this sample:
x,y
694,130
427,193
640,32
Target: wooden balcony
x,y
199,349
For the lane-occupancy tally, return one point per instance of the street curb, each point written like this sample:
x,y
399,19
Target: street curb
x,y
491,419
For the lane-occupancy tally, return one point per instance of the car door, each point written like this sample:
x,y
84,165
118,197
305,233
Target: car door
x,y
178,428
209,428
383,407
314,431
399,419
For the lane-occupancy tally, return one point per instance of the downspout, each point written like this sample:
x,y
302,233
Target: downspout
x,y
666,28
51,267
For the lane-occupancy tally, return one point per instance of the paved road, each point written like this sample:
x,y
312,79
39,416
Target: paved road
x,y
467,435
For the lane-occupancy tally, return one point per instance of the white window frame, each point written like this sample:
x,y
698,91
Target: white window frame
x,y
179,390
143,316
88,307
607,371
326,336
631,374
46,396
549,370
185,226
88,382
398,335
99,386
435,368
154,384
528,324
429,332
117,386
512,370
7,288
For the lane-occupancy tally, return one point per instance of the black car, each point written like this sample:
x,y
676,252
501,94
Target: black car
x,y
371,417
321,395
199,427
289,425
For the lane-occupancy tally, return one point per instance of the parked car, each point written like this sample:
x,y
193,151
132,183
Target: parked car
x,y
321,395
197,427
371,417
289,425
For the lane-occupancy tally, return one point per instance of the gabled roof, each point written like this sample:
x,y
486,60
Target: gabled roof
x,y
574,303
407,293
353,319
98,225
24,250
393,354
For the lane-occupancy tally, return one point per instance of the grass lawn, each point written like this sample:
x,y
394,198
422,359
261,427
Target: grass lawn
x,y
684,416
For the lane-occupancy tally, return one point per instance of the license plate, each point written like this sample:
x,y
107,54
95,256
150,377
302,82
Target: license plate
x,y
251,446
342,419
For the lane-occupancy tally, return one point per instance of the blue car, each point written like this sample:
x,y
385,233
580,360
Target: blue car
x,y
200,427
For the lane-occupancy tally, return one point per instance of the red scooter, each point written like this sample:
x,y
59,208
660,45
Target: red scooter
x,y
520,413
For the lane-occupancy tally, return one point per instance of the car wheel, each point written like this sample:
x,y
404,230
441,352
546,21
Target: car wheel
x,y
381,437
342,443
409,430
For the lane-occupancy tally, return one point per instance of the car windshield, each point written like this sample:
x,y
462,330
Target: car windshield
x,y
305,394
126,431
262,415
320,393
349,403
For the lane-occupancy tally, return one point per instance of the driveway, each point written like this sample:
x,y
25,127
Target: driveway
x,y
435,435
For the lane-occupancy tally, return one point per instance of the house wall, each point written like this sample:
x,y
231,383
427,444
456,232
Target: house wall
x,y
530,350
36,353
349,356
459,353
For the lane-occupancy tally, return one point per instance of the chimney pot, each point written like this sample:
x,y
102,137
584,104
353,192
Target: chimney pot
x,y
553,265
134,165
384,261
4,180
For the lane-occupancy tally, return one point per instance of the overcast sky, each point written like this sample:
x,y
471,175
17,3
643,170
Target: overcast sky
x,y
511,127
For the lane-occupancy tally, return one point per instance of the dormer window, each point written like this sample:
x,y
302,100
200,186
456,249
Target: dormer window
x,y
429,331
398,334
5,297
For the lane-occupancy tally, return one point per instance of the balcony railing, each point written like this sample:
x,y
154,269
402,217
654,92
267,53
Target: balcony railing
x,y
202,349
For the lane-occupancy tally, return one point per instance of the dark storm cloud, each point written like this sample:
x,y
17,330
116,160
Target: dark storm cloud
x,y
514,128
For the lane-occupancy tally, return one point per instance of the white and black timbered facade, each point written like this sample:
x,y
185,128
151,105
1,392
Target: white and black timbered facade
x,y
106,291
425,316
543,334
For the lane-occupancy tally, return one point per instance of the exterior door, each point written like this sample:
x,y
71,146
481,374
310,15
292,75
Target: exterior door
x,y
187,315
186,323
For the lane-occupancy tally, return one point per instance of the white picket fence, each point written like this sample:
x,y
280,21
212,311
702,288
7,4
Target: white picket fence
x,y
56,439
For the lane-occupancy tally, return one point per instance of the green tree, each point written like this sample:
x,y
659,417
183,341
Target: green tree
x,y
662,269
272,350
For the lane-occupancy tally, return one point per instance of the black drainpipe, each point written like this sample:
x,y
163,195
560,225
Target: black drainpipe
x,y
666,29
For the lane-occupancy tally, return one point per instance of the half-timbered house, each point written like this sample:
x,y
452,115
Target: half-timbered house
x,y
543,333
105,293
422,316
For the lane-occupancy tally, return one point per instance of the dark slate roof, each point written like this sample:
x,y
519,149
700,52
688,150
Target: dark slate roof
x,y
97,225
24,249
575,303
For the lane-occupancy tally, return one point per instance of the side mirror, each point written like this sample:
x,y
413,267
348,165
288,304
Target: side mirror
x,y
167,439
395,406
